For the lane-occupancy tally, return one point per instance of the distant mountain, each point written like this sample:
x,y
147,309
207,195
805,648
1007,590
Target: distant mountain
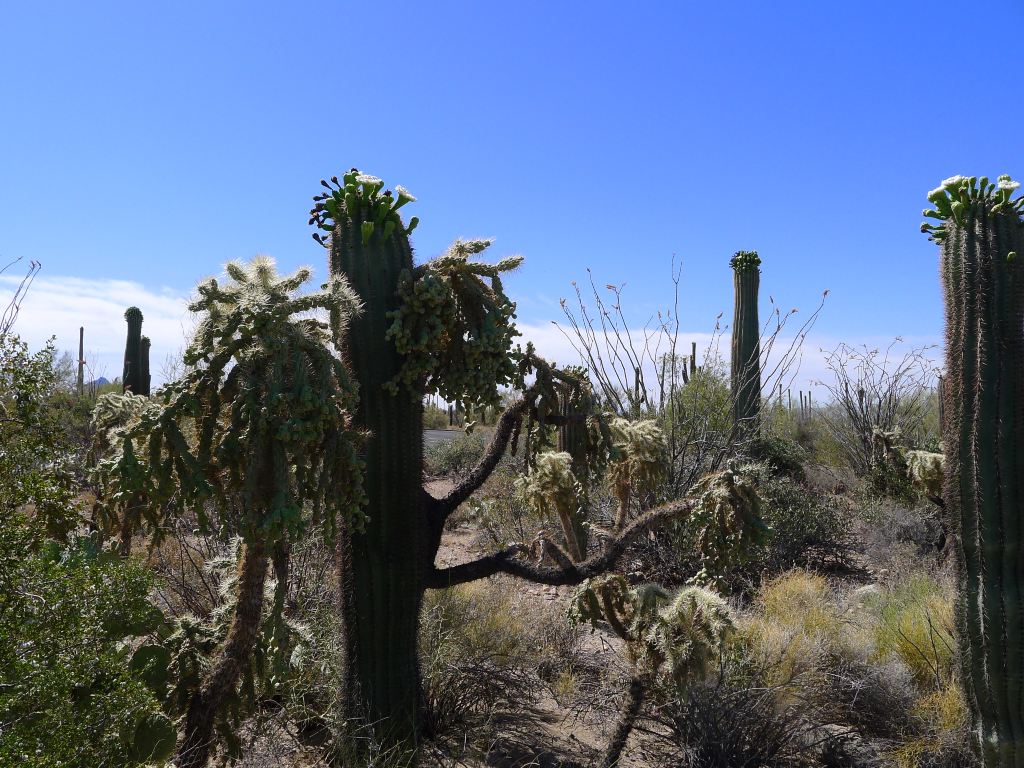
x,y
98,382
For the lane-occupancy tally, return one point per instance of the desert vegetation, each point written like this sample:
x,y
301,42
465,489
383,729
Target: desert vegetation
x,y
647,557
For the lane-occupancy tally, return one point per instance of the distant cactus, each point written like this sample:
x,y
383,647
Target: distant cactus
x,y
981,235
131,374
145,380
746,343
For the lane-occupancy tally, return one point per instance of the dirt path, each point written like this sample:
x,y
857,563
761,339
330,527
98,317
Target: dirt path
x,y
548,734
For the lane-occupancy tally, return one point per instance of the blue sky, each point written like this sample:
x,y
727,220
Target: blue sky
x,y
148,143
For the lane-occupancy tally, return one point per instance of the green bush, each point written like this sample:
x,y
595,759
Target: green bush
x,y
455,457
67,695
808,529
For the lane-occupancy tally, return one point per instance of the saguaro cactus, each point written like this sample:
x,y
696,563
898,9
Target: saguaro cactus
x,y
981,235
131,373
746,344
443,327
145,379
370,246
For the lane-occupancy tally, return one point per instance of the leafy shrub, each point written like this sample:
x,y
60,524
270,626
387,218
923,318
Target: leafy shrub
x,y
455,457
67,694
915,625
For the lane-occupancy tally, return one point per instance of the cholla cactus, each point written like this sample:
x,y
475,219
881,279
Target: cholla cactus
x,y
926,470
637,463
674,639
118,510
258,432
728,520
551,487
454,328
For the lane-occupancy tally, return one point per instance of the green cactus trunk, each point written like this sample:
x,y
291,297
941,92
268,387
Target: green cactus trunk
x,y
983,431
380,566
746,344
131,372
145,379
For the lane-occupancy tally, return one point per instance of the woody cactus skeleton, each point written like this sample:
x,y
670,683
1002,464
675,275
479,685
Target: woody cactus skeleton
x,y
256,439
980,231
441,327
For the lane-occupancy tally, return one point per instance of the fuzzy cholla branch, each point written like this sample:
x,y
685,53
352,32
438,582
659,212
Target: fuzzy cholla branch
x,y
261,420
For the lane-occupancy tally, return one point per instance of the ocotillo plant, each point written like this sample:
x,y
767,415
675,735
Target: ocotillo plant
x,y
746,342
256,439
131,380
444,327
981,236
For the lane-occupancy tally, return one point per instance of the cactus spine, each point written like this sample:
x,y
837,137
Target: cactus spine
x,y
980,232
381,590
131,373
746,343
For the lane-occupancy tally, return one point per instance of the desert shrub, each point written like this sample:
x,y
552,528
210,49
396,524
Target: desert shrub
x,y
485,654
726,724
808,529
877,662
434,417
67,693
455,457
915,625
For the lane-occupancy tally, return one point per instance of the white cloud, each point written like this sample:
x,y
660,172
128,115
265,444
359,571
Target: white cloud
x,y
58,305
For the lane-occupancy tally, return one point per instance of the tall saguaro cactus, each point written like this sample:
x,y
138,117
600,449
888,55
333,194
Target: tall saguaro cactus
x,y
370,246
746,344
441,327
981,234
131,375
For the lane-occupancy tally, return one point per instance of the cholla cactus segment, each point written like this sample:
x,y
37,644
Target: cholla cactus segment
x,y
639,460
678,637
958,197
685,638
607,598
551,485
113,417
262,417
551,488
728,517
926,470
454,327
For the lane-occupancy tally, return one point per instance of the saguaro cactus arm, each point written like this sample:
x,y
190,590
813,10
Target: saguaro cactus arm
x,y
723,514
